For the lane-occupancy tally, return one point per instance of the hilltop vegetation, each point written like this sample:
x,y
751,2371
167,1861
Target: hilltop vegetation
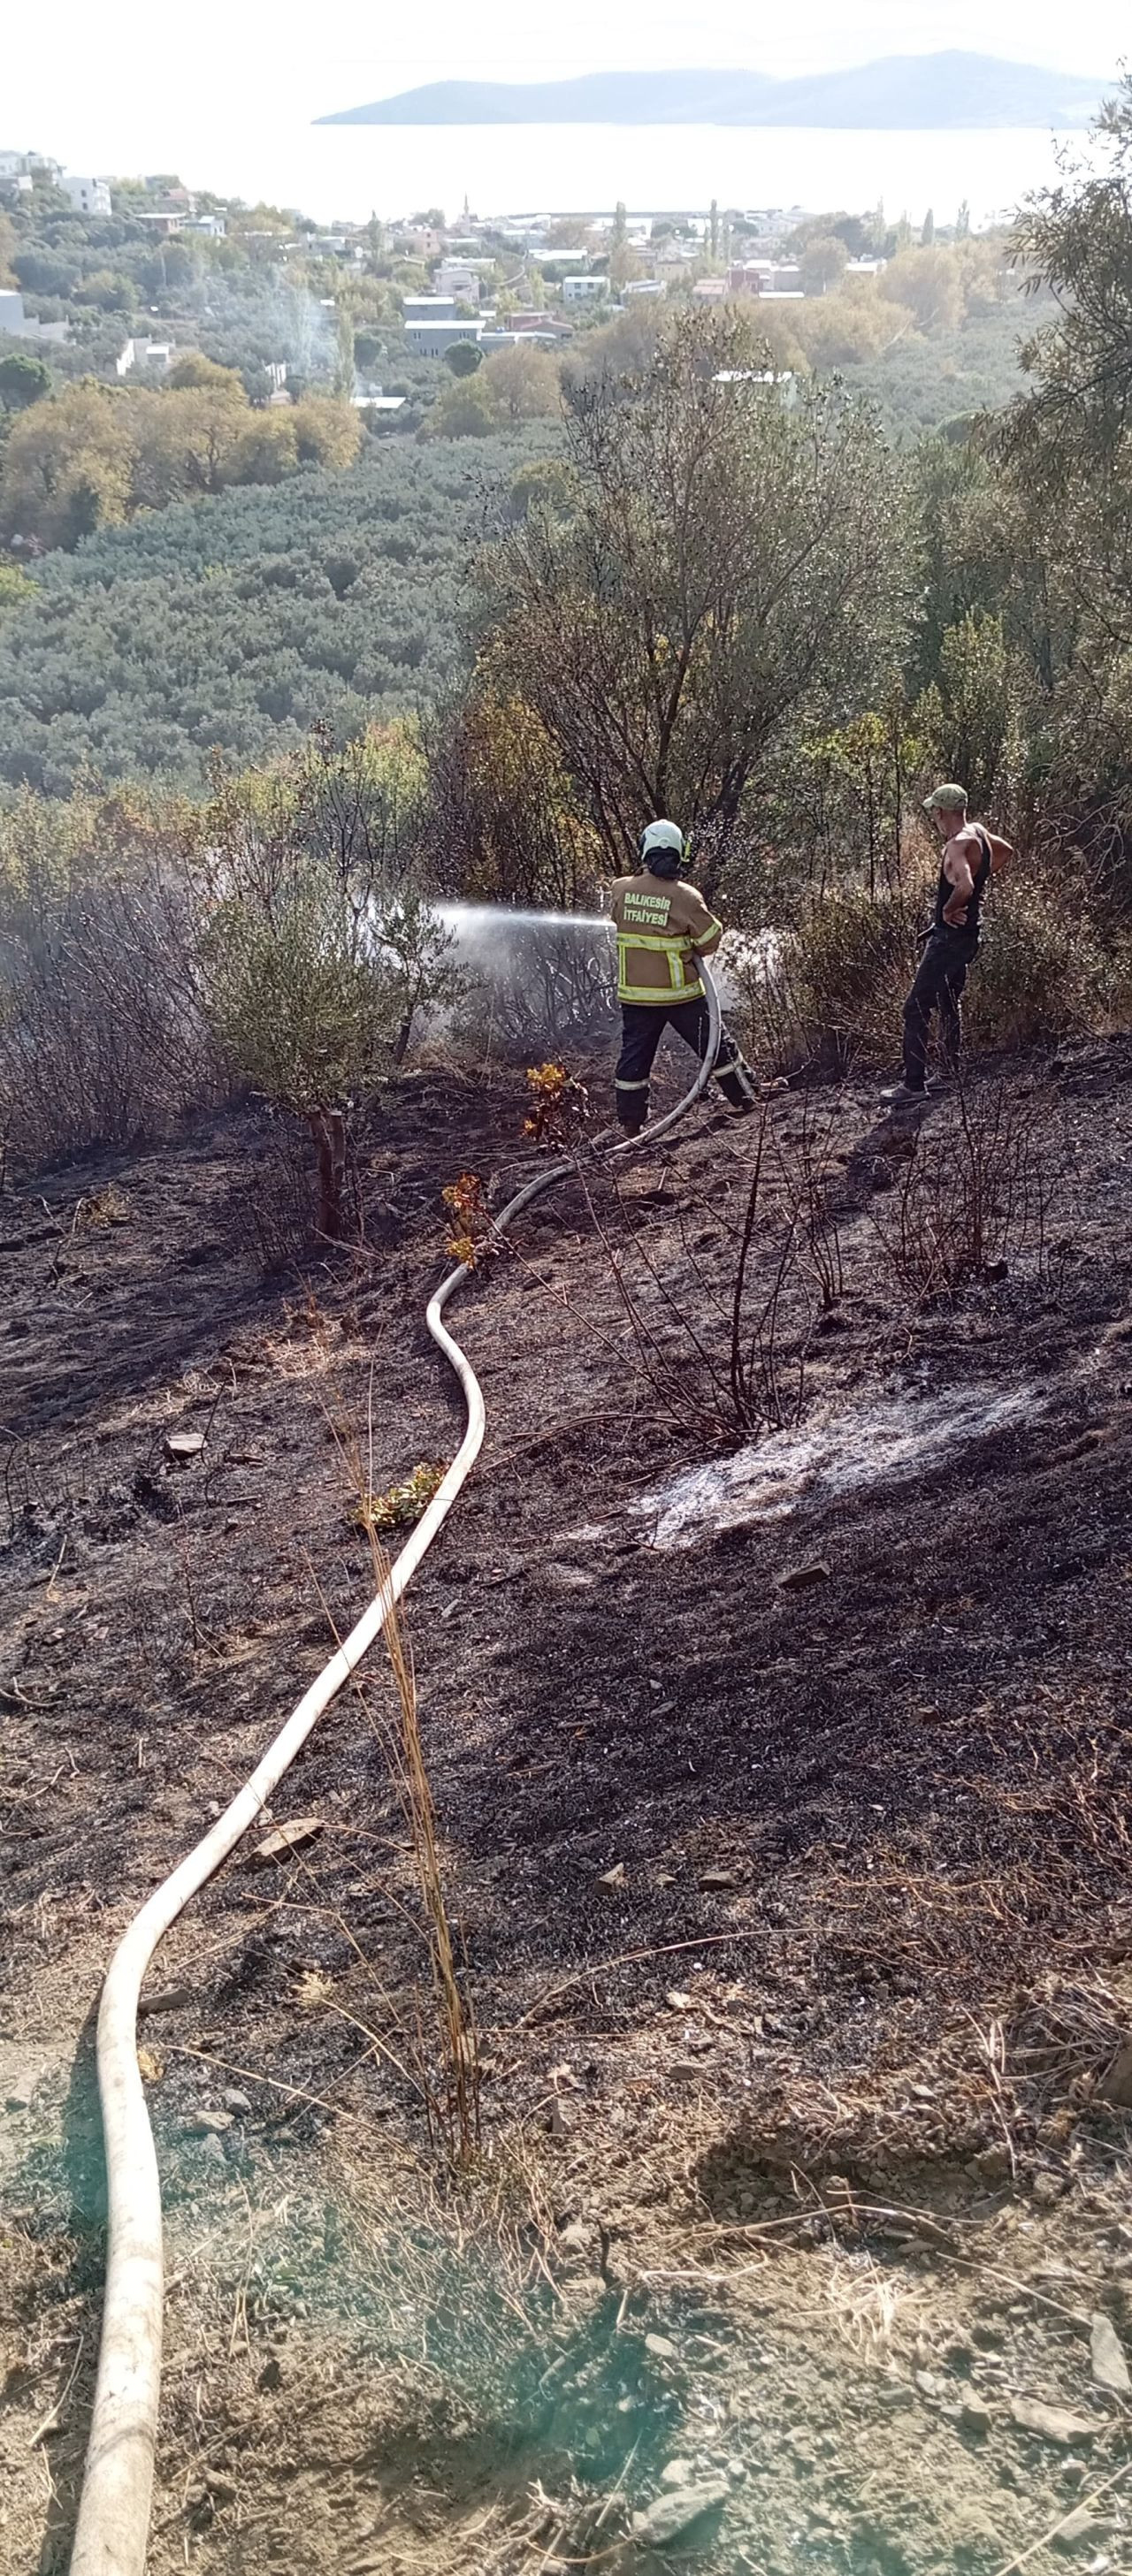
x,y
240,622
94,457
249,294
934,332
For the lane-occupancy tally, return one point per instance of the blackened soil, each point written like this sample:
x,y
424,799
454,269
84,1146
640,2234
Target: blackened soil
x,y
850,1782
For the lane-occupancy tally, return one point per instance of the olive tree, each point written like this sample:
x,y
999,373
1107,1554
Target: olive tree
x,y
24,380
966,713
317,949
1064,448
503,823
715,562
1074,243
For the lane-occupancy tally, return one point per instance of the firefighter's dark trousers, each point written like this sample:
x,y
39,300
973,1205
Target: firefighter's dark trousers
x,y
939,983
642,1027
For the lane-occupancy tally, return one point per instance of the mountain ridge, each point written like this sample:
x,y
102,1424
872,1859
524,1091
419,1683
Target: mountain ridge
x,y
934,92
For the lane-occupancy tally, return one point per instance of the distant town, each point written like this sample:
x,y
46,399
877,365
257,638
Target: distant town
x,y
413,289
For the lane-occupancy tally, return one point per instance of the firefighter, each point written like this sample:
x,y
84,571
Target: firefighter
x,y
663,929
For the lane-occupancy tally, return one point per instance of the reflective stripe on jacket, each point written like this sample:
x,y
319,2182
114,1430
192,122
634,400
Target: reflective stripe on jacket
x,y
661,926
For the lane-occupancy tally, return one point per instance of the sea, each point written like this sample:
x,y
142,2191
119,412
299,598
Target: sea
x,y
350,172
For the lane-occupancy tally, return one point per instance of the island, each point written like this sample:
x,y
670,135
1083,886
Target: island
x,y
935,92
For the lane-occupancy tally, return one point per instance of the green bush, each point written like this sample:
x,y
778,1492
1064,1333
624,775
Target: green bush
x,y
464,358
317,950
1045,969
299,1011
830,988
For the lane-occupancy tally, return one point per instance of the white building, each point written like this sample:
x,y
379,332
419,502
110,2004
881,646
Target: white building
x,y
24,168
145,353
167,220
430,308
431,339
551,261
501,338
88,196
14,319
583,290
783,378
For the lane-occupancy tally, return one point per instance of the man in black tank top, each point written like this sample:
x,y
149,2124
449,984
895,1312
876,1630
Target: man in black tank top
x,y
970,855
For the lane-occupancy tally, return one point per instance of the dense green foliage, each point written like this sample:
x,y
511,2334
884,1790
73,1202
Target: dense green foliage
x,y
24,380
92,456
238,622
922,384
267,292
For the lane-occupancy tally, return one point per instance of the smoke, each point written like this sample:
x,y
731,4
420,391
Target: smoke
x,y
265,321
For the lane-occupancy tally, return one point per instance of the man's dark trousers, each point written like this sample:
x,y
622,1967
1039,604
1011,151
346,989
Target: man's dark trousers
x,y
939,983
642,1027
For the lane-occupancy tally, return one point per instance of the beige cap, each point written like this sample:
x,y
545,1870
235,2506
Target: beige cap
x,y
948,799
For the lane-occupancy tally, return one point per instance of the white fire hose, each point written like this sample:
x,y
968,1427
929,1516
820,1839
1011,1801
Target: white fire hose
x,y
112,2529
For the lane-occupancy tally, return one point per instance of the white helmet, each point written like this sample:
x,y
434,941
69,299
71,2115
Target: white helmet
x,y
663,841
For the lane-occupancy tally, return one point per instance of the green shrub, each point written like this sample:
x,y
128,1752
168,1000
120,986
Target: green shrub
x,y
831,987
300,1013
1045,969
317,950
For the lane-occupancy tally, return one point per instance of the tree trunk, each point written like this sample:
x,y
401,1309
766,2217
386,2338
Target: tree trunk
x,y
404,1033
328,1127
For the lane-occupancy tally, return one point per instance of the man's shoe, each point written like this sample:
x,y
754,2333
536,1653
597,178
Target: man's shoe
x,y
901,1094
939,1087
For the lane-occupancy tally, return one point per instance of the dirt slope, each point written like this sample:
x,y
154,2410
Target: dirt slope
x,y
788,1866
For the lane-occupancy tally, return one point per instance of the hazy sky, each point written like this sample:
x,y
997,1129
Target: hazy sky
x,y
135,84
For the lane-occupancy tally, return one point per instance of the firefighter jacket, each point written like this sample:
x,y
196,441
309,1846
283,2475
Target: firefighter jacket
x,y
663,927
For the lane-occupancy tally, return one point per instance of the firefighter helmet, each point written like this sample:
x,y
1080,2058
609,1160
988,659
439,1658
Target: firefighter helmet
x,y
663,849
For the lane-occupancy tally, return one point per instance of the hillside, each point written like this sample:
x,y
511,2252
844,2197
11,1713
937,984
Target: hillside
x,y
239,622
920,383
641,2074
935,91
788,1869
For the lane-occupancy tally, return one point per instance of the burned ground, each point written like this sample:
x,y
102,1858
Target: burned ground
x,y
788,1868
